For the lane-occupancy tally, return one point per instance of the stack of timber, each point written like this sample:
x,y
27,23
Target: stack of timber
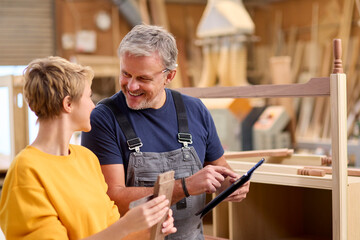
x,y
308,45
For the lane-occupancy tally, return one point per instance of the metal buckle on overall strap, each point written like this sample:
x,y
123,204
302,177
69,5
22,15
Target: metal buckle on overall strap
x,y
135,143
185,139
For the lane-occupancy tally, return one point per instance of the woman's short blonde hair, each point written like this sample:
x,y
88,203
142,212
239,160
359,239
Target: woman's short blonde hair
x,y
49,80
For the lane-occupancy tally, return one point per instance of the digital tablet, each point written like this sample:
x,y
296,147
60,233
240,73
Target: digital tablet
x,y
238,183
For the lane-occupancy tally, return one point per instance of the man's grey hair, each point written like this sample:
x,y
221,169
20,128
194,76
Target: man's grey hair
x,y
144,40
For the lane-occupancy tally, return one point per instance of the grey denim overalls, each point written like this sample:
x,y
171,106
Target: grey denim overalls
x,y
144,167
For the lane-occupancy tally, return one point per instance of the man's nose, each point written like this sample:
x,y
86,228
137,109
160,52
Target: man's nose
x,y
133,84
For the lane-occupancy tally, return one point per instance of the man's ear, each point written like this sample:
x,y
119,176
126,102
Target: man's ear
x,y
67,104
170,76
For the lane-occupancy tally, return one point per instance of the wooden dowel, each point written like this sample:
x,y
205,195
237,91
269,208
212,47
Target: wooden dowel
x,y
311,172
337,57
328,170
326,160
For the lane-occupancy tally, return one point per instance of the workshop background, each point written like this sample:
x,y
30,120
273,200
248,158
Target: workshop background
x,y
222,43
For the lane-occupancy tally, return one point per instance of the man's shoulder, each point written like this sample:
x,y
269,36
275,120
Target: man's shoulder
x,y
102,111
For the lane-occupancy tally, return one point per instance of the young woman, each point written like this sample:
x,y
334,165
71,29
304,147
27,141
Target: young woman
x,y
56,190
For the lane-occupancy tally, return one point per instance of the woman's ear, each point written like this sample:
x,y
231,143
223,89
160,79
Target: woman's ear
x,y
67,104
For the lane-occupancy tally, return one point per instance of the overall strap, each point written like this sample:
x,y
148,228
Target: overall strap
x,y
132,140
184,135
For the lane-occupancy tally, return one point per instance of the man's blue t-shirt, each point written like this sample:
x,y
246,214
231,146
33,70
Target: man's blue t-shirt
x,y
157,129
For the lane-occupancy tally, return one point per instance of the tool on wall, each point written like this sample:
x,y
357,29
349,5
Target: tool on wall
x,y
224,28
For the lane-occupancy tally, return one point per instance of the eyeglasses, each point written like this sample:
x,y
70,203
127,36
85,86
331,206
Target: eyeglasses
x,y
127,75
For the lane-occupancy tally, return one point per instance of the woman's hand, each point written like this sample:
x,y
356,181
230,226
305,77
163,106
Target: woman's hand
x,y
148,214
168,224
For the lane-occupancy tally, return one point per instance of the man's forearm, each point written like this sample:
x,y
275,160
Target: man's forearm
x,y
178,192
123,196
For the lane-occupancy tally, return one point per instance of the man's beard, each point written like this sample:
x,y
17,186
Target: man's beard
x,y
143,105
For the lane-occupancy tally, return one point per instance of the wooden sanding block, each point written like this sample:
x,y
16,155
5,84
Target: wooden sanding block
x,y
164,186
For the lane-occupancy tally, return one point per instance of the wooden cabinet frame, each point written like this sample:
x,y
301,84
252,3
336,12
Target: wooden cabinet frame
x,y
334,87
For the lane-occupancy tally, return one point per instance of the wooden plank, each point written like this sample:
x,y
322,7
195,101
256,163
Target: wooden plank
x,y
280,69
194,52
293,180
351,72
279,168
223,66
183,63
144,11
297,59
158,13
306,108
164,185
314,87
319,113
238,63
282,152
208,72
292,43
294,159
339,145
345,26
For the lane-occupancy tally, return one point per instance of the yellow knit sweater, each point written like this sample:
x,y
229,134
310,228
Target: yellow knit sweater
x,y
55,197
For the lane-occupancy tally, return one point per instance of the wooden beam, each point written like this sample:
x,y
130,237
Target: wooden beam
x,y
314,87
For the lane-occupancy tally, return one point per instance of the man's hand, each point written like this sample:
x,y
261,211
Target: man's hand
x,y
208,179
239,194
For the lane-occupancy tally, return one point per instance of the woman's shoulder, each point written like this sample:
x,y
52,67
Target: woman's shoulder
x,y
79,149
